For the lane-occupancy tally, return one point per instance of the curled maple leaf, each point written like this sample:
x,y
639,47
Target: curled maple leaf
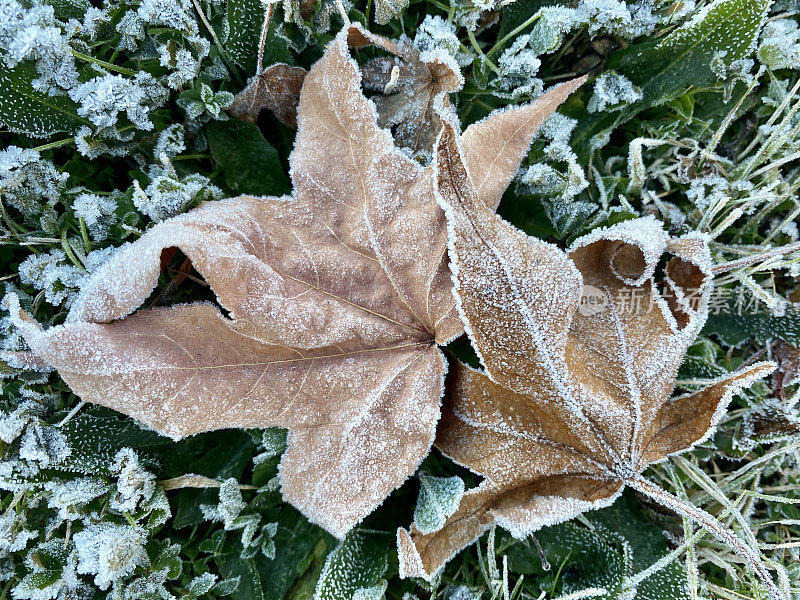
x,y
277,89
336,300
580,351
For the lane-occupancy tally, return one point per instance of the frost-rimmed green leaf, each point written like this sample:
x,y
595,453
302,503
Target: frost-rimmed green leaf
x,y
439,498
725,30
245,20
27,110
734,326
357,563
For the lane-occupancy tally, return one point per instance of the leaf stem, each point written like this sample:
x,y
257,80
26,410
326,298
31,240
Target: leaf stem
x,y
55,144
710,523
262,41
755,258
502,42
102,63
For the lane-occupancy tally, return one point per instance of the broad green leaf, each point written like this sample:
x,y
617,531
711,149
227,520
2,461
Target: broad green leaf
x,y
296,540
620,543
27,110
358,562
97,434
245,20
734,324
665,69
69,9
250,162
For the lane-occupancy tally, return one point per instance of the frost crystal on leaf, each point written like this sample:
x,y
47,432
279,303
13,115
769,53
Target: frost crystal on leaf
x,y
68,497
109,552
230,504
26,180
135,484
97,213
612,92
574,402
439,498
779,47
344,288
102,99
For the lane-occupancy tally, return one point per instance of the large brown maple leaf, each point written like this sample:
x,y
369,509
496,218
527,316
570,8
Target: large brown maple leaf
x,y
336,301
574,402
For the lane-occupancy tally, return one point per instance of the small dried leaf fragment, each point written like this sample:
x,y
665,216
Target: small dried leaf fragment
x,y
413,90
574,402
277,89
336,299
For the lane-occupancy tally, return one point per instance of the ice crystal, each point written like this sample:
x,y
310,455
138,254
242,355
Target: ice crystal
x,y
202,584
230,504
97,213
435,34
43,445
51,274
169,13
229,512
131,28
51,575
102,99
549,30
109,551
183,63
26,180
167,194
613,92
13,534
12,424
170,141
69,497
94,19
32,32
779,47
134,483
518,66
107,140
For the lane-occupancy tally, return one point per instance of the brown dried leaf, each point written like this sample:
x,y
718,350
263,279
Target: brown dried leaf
x,y
413,97
788,372
575,401
336,299
277,89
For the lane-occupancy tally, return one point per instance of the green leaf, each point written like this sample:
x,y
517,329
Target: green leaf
x,y
358,562
69,9
439,498
666,69
27,110
295,541
97,434
250,163
245,20
735,323
618,544
219,455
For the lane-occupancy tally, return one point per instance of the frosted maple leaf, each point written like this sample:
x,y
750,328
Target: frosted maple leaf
x,y
580,350
336,298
